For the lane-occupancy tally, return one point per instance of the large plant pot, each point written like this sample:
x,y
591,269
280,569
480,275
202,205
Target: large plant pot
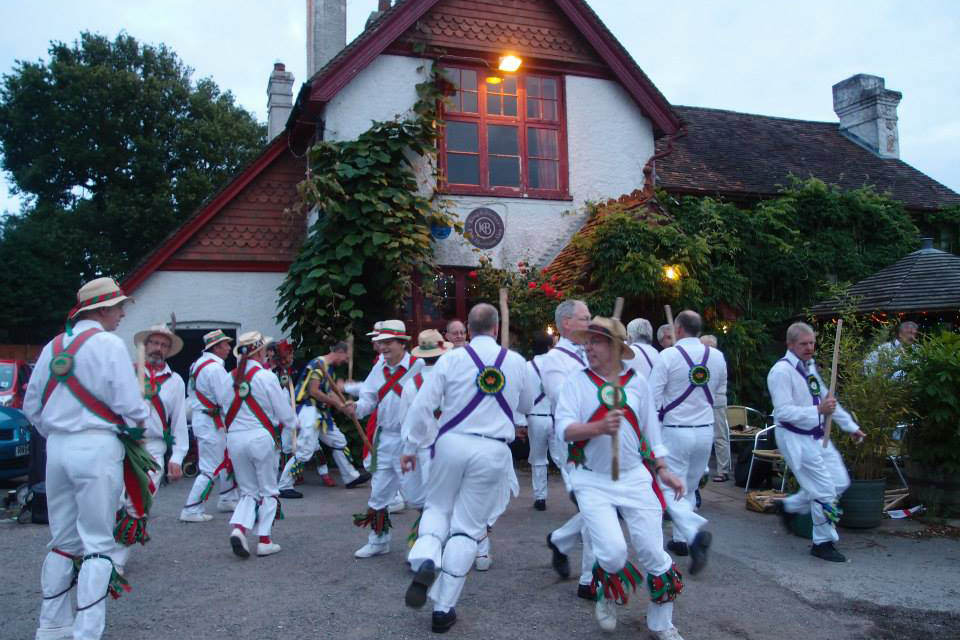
x,y
862,504
937,490
801,524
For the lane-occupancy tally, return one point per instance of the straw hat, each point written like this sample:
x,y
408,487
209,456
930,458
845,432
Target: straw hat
x,y
376,330
250,342
610,328
431,344
391,330
102,292
214,337
176,343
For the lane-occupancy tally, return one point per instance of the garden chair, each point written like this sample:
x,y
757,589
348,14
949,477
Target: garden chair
x,y
773,456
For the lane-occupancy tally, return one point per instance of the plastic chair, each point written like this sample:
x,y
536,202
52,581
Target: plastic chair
x,y
772,456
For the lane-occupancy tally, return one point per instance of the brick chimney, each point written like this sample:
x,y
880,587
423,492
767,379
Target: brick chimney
x,y
326,32
382,5
868,113
279,99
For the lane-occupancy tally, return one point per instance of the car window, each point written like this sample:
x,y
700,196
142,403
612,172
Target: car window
x,y
6,376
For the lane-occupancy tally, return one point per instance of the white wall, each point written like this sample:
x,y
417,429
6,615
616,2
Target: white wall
x,y
204,300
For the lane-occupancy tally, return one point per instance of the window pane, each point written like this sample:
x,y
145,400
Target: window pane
x,y
533,87
510,105
549,109
493,104
469,102
533,108
502,140
549,88
544,174
462,136
468,79
504,172
463,169
542,143
509,85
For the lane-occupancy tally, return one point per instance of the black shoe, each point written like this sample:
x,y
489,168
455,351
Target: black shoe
x,y
586,592
786,518
560,562
422,581
678,548
698,551
290,494
540,505
699,500
442,621
826,551
362,478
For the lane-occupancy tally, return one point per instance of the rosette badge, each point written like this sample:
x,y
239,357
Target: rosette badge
x,y
243,390
699,375
612,396
814,385
490,380
61,365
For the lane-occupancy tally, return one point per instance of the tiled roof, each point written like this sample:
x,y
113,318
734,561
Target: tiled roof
x,y
925,280
742,155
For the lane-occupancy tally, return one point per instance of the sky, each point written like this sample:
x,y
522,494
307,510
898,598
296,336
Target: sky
x,y
771,57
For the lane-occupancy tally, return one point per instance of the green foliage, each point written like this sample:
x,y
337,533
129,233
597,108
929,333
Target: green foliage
x,y
944,226
372,234
113,141
748,270
933,377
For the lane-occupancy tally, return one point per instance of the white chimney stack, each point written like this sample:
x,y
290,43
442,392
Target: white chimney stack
x,y
868,113
326,32
279,99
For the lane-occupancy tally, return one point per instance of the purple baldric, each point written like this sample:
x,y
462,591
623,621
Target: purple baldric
x,y
542,393
690,389
645,356
572,355
478,398
817,431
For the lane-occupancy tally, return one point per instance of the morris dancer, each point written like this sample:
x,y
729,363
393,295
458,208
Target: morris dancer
x,y
571,317
255,408
640,335
166,429
207,375
606,398
80,393
799,411
315,403
380,399
479,388
456,333
540,433
684,384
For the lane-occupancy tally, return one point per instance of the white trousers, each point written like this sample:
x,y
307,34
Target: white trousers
x,y
84,485
565,538
466,479
822,478
689,454
415,482
633,495
255,460
157,448
721,440
540,434
387,477
309,437
211,446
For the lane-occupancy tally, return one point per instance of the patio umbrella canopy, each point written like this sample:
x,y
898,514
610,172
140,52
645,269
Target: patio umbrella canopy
x,y
927,280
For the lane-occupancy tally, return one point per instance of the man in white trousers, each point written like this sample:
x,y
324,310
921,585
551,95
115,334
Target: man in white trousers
x,y
255,408
571,317
801,403
479,388
610,397
684,383
207,374
80,396
540,432
165,430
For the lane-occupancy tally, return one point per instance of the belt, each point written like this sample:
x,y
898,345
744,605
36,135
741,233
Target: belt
x,y
816,432
686,426
541,415
480,435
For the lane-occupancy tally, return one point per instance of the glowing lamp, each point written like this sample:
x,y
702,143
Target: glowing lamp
x,y
549,330
509,63
492,79
670,273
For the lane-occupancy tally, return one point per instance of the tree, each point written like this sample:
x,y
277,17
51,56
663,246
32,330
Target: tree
x,y
115,143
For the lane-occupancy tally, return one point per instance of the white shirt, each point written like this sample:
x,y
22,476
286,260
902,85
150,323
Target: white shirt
x,y
542,406
579,401
645,358
212,377
671,378
388,410
173,399
454,384
102,366
406,399
890,354
266,390
555,365
792,401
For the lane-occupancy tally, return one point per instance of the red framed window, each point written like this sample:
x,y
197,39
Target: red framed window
x,y
506,139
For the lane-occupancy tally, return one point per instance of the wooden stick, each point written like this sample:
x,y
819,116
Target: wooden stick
x,y
833,382
293,405
142,368
350,354
615,438
673,333
504,319
336,391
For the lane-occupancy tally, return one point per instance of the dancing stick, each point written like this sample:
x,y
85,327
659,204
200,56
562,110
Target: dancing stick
x,y
142,368
833,382
336,391
293,405
350,356
669,312
504,319
617,390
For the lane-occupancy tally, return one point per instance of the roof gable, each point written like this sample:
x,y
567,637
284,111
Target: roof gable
x,y
525,21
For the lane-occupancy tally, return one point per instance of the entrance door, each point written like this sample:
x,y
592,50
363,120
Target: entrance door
x,y
192,348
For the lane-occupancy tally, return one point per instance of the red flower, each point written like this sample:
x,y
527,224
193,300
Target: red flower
x,y
543,272
553,278
532,285
472,274
521,264
548,290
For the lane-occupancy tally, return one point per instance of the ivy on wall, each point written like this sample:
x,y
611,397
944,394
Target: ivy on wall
x,y
372,233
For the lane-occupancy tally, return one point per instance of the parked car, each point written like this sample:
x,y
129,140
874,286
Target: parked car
x,y
14,375
14,443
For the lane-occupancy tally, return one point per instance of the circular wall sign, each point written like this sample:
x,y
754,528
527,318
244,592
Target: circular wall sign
x,y
484,228
440,232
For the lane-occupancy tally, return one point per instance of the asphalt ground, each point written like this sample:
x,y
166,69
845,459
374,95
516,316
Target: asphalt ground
x,y
761,583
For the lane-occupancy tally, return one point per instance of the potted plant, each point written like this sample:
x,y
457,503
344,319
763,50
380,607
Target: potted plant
x,y
932,440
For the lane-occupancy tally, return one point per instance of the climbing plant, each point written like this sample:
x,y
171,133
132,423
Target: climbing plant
x,y
372,235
